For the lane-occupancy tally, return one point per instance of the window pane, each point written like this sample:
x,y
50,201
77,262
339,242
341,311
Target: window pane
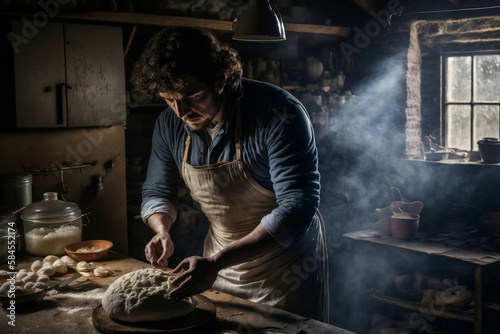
x,y
486,123
487,78
458,130
458,79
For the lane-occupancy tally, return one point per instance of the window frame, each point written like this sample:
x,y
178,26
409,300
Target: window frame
x,y
472,104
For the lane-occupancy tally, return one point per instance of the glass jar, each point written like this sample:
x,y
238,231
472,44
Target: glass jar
x,y
50,225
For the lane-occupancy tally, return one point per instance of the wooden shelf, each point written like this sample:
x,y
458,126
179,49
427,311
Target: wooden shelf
x,y
165,20
455,314
493,306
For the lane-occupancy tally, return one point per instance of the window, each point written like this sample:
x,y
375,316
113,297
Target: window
x,y
471,99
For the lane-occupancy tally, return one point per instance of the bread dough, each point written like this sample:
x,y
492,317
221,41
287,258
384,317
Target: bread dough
x,y
82,266
101,271
143,295
47,270
49,259
60,266
37,265
30,278
22,274
70,262
44,279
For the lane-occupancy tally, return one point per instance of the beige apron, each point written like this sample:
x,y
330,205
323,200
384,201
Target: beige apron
x,y
294,278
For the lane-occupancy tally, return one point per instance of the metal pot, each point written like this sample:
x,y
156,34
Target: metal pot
x,y
16,190
404,225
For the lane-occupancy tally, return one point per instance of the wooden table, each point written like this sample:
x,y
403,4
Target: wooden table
x,y
69,310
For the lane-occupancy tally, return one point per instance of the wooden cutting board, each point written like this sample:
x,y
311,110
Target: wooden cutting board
x,y
197,321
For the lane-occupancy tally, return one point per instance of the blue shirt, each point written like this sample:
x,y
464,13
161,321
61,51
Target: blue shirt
x,y
278,149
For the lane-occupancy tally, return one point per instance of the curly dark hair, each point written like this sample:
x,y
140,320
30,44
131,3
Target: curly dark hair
x,y
174,53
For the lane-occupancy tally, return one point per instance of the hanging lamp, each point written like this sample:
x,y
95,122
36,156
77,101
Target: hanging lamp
x,y
261,22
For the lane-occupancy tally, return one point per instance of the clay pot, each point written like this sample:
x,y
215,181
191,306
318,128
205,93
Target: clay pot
x,y
385,214
314,69
404,225
490,150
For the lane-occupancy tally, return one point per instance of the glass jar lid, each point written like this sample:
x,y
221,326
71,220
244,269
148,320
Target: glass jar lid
x,y
51,210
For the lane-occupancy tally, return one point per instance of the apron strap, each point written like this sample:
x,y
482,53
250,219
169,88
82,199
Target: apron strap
x,y
187,143
237,133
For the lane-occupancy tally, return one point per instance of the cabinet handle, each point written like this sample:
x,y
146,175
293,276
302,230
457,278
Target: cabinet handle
x,y
60,102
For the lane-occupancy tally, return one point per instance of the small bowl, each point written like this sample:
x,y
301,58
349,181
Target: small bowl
x,y
104,246
436,156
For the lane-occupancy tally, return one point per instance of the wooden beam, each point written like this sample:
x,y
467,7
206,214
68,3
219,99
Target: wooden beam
x,y
148,19
174,21
366,5
130,39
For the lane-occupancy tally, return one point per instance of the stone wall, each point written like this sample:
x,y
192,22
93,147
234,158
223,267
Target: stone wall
x,y
429,39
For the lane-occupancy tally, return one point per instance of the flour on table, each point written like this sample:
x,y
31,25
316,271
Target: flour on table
x,y
143,295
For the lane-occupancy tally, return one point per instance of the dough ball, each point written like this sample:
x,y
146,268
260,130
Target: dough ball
x,y
30,278
49,259
60,267
43,279
143,295
39,285
70,262
82,266
29,286
4,289
47,271
101,271
21,274
37,265
4,276
20,291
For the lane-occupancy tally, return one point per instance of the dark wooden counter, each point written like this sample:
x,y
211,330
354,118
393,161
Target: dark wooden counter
x,y
69,310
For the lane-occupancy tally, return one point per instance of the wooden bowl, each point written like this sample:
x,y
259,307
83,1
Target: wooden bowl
x,y
102,248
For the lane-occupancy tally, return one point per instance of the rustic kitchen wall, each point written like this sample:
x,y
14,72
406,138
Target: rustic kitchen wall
x,y
37,150
434,37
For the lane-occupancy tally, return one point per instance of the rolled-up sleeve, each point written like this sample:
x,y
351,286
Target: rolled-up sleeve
x,y
293,167
160,190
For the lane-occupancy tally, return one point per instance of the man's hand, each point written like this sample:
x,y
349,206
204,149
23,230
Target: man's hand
x,y
161,246
159,249
199,275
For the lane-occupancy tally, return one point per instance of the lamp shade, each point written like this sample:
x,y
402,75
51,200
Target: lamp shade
x,y
261,22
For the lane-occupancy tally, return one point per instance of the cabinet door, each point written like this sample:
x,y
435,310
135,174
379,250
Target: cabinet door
x,y
39,75
95,75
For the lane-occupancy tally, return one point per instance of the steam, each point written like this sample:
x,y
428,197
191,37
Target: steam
x,y
369,139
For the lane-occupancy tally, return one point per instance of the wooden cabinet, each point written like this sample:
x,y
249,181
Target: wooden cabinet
x,y
64,75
